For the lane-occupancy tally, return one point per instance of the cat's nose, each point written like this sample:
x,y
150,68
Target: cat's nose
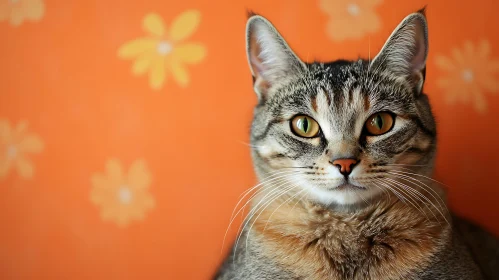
x,y
345,165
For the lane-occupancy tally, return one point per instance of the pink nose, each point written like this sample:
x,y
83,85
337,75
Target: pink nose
x,y
345,165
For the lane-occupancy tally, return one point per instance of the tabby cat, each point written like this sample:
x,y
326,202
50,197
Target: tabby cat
x,y
344,153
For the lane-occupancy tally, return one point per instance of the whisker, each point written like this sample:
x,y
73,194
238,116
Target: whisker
x,y
425,198
385,191
299,200
396,164
256,208
425,187
291,197
414,194
265,180
359,195
275,179
396,193
264,206
250,145
409,197
421,176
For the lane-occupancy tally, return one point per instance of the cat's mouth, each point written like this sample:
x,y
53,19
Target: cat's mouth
x,y
346,186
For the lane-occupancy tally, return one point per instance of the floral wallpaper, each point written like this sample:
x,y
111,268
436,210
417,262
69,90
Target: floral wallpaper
x,y
124,124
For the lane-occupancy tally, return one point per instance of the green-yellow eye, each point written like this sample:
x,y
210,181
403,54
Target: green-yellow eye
x,y
305,126
379,123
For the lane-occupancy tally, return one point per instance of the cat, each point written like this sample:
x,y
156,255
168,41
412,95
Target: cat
x,y
344,152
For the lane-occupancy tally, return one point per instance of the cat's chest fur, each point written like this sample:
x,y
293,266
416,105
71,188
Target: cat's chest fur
x,y
386,241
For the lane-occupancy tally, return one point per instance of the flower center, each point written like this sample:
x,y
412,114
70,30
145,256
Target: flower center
x,y
11,152
467,75
164,48
125,195
353,9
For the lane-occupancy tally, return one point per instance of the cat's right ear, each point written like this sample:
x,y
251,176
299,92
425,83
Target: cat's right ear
x,y
270,58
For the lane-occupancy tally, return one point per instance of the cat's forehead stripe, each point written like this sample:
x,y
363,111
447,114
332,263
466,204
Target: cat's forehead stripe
x,y
314,103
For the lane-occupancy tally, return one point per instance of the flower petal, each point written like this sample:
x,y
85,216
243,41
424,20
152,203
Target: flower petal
x,y
5,165
31,144
180,74
483,49
184,25
368,4
444,82
450,97
122,219
21,127
139,176
142,63
16,16
458,56
189,53
4,10
492,65
336,31
469,49
99,190
108,212
154,25
24,167
370,22
444,63
114,172
157,74
478,100
33,9
98,181
489,83
136,47
5,131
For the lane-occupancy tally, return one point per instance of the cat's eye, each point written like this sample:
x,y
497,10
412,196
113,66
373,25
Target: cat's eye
x,y
305,126
379,123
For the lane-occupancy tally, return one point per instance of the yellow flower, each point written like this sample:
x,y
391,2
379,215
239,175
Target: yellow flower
x,y
121,197
161,51
350,19
18,10
469,72
15,146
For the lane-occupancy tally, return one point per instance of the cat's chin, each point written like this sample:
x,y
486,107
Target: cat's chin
x,y
345,194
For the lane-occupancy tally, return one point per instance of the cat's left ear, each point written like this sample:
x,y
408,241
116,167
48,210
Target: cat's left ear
x,y
404,53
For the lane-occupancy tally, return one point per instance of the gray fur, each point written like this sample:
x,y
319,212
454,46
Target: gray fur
x,y
341,95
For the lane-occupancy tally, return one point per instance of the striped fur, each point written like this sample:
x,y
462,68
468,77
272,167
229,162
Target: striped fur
x,y
385,220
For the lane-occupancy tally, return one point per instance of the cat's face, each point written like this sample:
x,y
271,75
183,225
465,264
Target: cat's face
x,y
341,132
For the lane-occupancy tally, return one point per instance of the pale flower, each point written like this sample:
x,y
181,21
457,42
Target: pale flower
x,y
350,19
469,73
16,145
122,197
165,52
16,11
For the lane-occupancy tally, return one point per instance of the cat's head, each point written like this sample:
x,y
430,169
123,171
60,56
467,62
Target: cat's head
x,y
344,131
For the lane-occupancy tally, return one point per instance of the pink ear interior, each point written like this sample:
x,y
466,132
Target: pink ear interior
x,y
420,49
256,63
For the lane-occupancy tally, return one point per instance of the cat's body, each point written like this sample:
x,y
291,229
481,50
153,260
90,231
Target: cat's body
x,y
344,152
310,242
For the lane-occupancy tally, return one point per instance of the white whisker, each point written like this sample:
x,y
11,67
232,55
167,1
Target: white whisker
x,y
279,178
256,208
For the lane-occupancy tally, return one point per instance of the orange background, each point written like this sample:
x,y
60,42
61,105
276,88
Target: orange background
x,y
63,76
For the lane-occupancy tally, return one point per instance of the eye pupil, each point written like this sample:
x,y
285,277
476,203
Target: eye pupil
x,y
305,125
379,122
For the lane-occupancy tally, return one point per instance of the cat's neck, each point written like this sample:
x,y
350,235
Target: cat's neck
x,y
387,236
